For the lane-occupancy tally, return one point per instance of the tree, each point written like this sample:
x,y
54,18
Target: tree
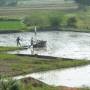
x,y
2,2
54,21
35,20
83,3
72,22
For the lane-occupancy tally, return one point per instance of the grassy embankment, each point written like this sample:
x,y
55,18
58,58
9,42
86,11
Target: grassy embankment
x,y
11,26
5,49
16,65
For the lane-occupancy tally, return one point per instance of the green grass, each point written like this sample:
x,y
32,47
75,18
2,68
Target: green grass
x,y
5,49
11,25
16,65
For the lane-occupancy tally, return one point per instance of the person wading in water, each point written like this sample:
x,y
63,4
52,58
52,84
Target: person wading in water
x,y
18,41
32,48
32,41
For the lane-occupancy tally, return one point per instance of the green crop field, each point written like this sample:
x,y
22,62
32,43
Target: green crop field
x,y
8,25
26,7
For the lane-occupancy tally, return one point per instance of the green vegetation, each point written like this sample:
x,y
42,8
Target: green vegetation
x,y
25,18
72,22
50,16
9,85
83,2
25,84
29,17
45,19
4,49
16,65
48,20
11,25
31,84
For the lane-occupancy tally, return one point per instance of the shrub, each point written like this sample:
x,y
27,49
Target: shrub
x,y
72,22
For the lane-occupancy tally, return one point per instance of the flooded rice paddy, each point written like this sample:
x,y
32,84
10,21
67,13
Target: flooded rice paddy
x,y
59,44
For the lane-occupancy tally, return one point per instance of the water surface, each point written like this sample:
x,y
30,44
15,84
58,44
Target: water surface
x,y
60,44
73,77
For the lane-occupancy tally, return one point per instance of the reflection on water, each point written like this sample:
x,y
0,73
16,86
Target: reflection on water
x,y
74,77
60,44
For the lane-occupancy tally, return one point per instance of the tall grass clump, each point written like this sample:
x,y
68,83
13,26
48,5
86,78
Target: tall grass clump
x,y
9,84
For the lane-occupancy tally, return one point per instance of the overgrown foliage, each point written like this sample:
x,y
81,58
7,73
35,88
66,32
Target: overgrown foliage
x,y
9,84
49,19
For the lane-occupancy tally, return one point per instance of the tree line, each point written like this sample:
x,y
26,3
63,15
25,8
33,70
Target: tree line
x,y
51,21
83,2
8,2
